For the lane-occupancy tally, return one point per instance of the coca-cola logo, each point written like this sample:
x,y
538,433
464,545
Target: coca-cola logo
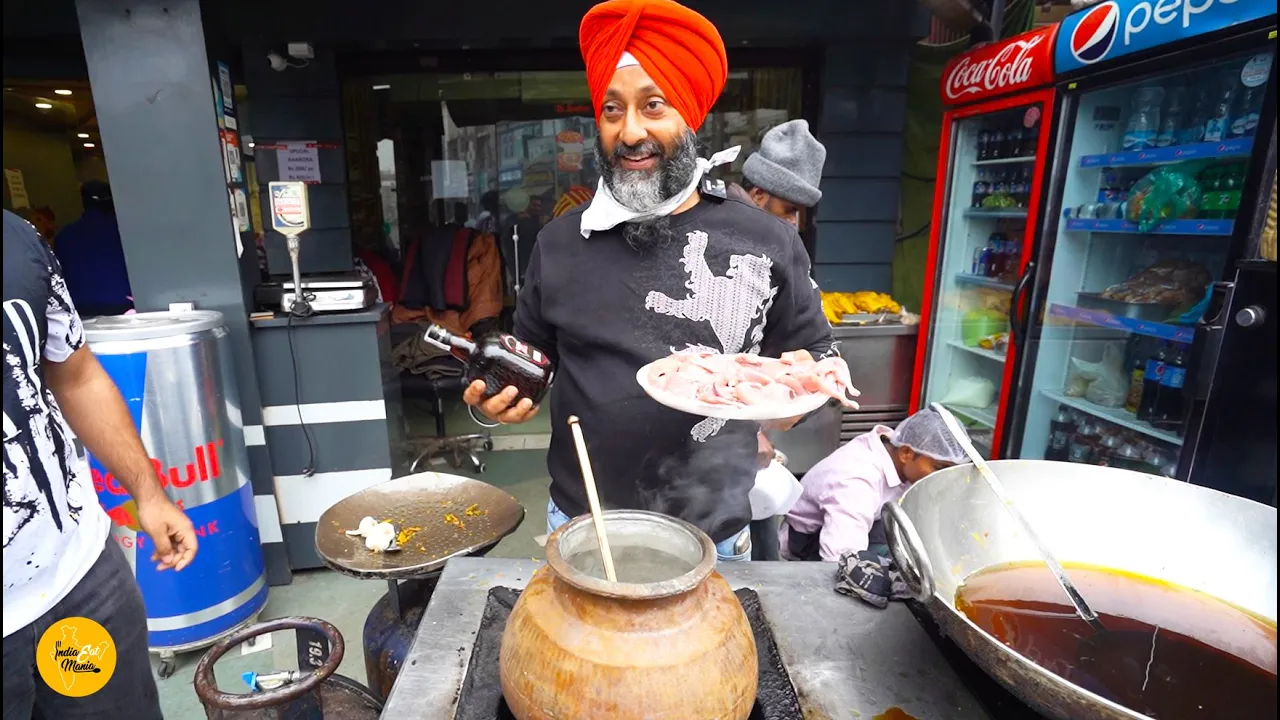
x,y
1010,67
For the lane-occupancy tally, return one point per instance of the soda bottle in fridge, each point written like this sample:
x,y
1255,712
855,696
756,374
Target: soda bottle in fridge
x,y
1013,140
1232,182
1221,93
1173,118
1249,95
1031,133
984,146
996,145
1060,428
981,187
1144,121
1192,130
1137,374
1151,384
1169,403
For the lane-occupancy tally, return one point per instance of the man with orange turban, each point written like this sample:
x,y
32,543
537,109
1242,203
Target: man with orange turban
x,y
658,262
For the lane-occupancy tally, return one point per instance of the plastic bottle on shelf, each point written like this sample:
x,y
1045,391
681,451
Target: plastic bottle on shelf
x,y
1083,443
1249,95
1031,138
1013,141
996,145
1019,188
1171,122
1221,93
1137,374
1109,449
1210,193
1192,130
984,146
1144,122
1060,428
981,187
1151,384
1232,183
1167,413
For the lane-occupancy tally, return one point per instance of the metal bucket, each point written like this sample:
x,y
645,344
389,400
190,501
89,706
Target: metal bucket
x,y
175,372
950,525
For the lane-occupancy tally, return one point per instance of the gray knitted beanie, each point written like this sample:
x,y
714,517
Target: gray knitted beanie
x,y
788,164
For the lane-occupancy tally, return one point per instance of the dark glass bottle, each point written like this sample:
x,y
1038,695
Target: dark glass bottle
x,y
500,360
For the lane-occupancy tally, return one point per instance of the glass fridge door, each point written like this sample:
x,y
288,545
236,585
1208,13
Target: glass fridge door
x,y
1147,194
985,225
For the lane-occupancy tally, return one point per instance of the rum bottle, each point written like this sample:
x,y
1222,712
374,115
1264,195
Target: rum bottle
x,y
500,360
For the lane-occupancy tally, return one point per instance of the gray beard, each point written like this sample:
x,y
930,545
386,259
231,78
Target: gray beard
x,y
641,191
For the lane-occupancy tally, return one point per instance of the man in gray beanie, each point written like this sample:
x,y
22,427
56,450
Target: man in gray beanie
x,y
782,177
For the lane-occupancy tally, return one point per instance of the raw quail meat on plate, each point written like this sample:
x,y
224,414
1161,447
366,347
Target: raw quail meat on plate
x,y
741,380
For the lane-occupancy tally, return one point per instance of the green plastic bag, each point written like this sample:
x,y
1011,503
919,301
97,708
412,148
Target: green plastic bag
x,y
1169,192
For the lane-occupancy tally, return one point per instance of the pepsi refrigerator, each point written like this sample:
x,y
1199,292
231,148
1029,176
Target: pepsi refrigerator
x,y
1150,317
992,159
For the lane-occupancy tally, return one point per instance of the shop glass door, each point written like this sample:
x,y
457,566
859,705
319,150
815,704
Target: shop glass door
x,y
992,169
1111,353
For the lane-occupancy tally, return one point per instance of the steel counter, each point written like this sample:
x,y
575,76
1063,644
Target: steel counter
x,y
845,659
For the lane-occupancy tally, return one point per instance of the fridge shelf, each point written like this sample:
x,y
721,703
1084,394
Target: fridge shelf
x,y
1168,227
980,352
1005,161
1239,147
983,281
1002,213
1098,318
986,417
1119,416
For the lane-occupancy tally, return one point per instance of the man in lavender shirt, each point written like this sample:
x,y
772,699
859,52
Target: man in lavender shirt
x,y
839,509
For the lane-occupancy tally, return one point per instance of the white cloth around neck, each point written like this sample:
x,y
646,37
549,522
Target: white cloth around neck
x,y
606,213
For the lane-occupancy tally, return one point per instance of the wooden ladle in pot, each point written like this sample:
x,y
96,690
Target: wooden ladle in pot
x,y
593,499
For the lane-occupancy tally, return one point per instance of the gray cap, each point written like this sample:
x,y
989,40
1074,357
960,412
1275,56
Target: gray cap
x,y
788,164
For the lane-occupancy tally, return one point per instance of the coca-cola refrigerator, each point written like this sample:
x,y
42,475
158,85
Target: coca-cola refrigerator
x,y
992,158
1147,305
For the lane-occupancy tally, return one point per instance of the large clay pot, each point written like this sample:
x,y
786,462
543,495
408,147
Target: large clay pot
x,y
578,647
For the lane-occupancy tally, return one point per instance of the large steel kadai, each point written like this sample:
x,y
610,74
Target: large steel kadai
x,y
950,525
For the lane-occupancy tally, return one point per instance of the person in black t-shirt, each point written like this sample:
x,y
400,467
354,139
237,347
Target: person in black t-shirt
x,y
654,266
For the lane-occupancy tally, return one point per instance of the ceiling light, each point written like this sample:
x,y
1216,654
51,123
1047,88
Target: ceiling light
x,y
44,106
61,92
89,145
381,87
83,136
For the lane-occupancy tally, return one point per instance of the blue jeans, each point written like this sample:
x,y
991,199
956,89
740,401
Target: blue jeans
x,y
726,550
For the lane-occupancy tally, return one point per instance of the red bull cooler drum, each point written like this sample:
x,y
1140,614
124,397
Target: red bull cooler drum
x,y
176,374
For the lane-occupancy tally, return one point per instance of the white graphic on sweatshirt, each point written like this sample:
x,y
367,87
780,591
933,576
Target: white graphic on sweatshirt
x,y
735,304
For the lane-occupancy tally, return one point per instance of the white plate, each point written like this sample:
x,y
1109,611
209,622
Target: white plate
x,y
802,405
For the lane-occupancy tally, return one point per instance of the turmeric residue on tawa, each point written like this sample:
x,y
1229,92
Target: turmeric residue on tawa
x,y
474,511
454,521
406,534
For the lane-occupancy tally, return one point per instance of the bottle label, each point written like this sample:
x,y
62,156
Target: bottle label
x,y
1058,440
1214,129
1138,139
1174,378
1256,71
1240,125
1155,369
1079,452
524,350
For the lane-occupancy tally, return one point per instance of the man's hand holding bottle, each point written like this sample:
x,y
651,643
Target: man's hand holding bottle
x,y
507,407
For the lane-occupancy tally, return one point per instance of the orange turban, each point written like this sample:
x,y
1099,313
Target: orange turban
x,y
678,48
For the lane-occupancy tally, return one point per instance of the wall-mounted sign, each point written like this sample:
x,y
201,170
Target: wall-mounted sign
x,y
298,162
17,188
228,91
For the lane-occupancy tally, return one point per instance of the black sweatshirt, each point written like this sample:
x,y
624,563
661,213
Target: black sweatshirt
x,y
601,310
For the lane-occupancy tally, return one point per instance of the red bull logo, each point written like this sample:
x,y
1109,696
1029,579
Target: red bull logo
x,y
205,467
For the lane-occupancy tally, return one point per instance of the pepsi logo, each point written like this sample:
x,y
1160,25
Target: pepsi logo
x,y
1096,32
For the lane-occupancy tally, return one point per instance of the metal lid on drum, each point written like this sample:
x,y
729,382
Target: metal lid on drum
x,y
150,325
